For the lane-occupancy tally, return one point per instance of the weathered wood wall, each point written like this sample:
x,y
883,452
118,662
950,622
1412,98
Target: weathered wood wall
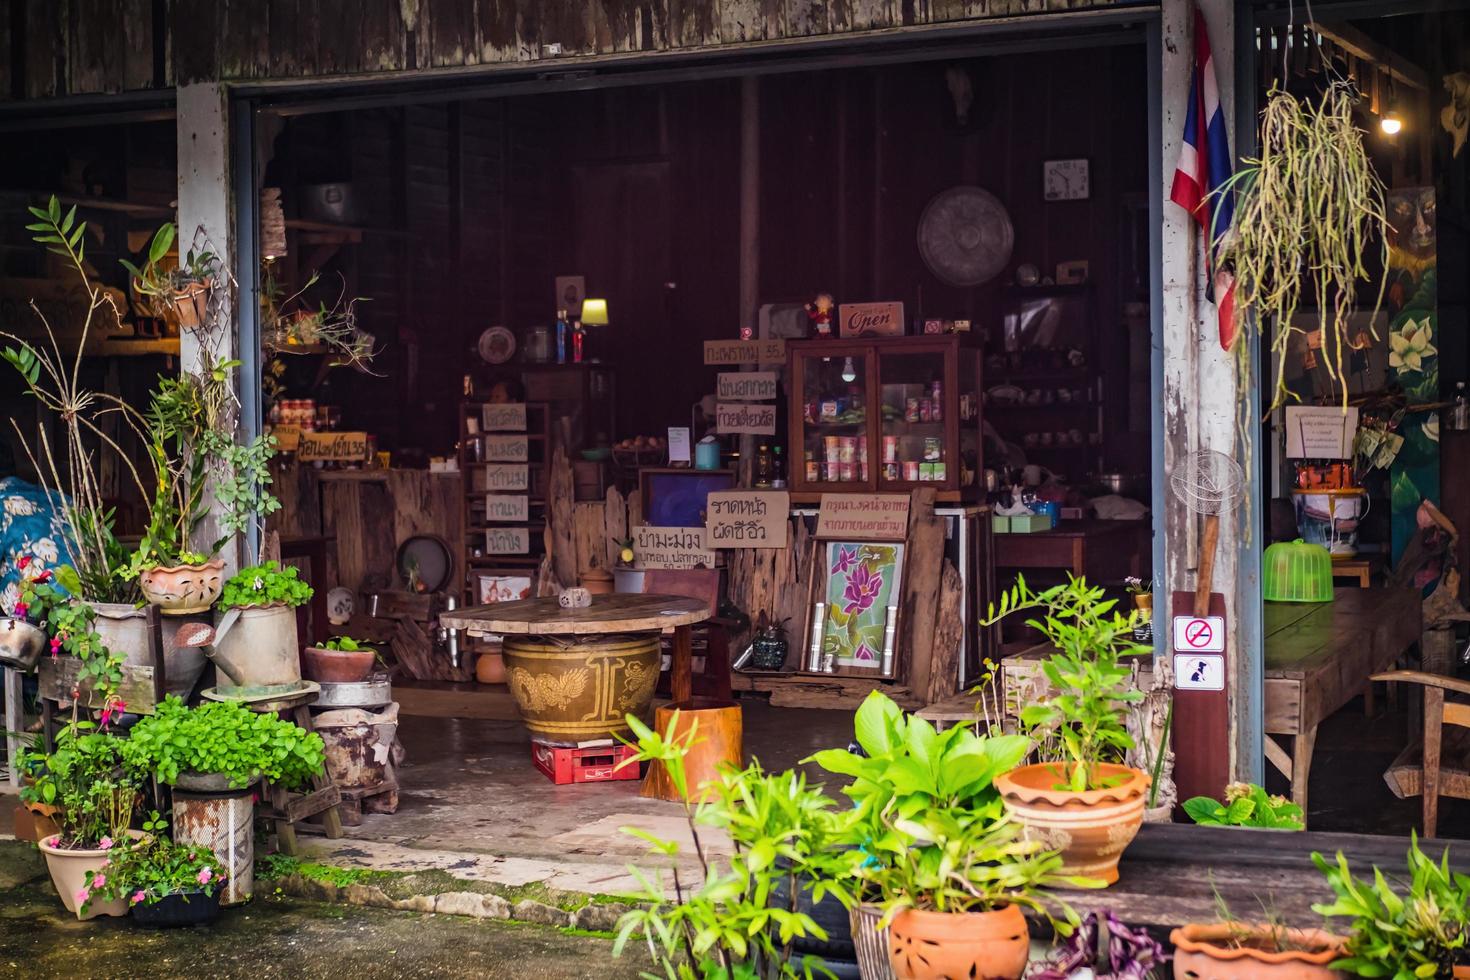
x,y
79,47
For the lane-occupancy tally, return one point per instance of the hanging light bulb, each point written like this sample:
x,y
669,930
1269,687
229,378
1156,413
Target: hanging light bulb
x,y
849,373
1391,123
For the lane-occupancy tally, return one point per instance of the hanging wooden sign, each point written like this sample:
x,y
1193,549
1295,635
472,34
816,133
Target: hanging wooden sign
x,y
338,447
757,420
772,351
507,449
671,547
747,518
507,541
504,478
746,386
864,516
503,417
507,507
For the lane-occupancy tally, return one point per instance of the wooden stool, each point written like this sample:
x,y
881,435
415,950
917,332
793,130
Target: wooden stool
x,y
288,808
717,740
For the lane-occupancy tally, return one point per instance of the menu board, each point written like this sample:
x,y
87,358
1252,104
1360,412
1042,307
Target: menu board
x,y
507,507
747,518
864,516
333,447
745,351
746,386
503,417
671,547
507,541
507,449
757,420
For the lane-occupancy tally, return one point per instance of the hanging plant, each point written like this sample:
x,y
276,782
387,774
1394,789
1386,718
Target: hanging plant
x,y
1309,215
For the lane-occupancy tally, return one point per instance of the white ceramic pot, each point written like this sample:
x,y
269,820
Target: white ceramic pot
x,y
1331,518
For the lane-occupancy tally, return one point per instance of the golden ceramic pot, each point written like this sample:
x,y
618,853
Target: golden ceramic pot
x,y
940,945
1090,828
581,691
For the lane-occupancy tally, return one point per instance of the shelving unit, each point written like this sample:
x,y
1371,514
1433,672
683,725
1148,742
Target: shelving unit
x,y
476,469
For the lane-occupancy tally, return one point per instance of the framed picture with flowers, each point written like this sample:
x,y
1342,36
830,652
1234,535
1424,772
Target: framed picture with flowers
x,y
860,615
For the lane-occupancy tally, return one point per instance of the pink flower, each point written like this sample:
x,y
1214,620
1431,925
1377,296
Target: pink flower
x,y
98,880
20,610
105,843
864,652
205,875
23,561
138,897
82,896
846,558
862,589
55,645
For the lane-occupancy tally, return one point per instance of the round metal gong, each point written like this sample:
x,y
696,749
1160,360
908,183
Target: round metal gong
x,y
965,236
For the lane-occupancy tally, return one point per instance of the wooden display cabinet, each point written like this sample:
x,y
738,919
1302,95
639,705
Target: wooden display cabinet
x,y
862,417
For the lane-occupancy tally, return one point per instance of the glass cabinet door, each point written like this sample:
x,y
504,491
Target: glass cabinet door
x,y
834,427
914,405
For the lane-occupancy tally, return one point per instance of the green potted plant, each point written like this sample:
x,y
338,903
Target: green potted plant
x,y
943,863
1080,793
746,915
184,291
163,883
340,660
1246,805
1422,930
96,791
214,755
255,646
50,600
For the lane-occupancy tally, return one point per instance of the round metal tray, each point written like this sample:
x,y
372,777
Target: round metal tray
x,y
356,694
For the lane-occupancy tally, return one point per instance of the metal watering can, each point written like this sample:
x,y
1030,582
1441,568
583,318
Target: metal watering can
x,y
254,647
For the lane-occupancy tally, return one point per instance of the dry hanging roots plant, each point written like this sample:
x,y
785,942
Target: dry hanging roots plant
x,y
1309,212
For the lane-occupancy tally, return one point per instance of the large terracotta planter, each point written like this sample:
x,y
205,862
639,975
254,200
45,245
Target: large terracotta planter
x,y
581,691
1090,828
1238,951
947,946
337,666
181,589
69,875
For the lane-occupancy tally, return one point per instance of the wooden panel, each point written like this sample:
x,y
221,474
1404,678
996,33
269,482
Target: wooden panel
x,y
195,39
1283,715
57,678
45,48
1201,722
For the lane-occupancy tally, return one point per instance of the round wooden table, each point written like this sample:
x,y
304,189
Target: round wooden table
x,y
566,665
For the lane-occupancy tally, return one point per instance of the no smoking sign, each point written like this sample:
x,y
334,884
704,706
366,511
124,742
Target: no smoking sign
x,y
1199,634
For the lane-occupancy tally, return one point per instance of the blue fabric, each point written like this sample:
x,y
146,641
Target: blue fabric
x,y
28,527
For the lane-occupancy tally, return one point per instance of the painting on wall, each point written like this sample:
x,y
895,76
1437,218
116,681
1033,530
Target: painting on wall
x,y
863,591
505,587
1412,300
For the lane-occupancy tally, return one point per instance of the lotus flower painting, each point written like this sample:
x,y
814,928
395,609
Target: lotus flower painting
x,y
863,580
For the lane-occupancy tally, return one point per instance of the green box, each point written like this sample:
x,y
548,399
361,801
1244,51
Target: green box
x,y
1000,523
1024,523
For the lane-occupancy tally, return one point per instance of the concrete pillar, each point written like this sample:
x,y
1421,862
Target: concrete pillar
x,y
1200,380
207,221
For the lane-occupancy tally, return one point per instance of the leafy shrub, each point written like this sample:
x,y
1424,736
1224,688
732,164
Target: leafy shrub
x,y
1246,805
265,585
224,738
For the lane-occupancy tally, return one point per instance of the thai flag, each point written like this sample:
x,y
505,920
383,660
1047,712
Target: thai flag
x,y
1205,165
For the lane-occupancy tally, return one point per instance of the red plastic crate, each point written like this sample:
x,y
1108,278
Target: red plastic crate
x,y
592,764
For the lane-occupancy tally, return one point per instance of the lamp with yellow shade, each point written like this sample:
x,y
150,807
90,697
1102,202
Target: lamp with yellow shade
x,y
594,314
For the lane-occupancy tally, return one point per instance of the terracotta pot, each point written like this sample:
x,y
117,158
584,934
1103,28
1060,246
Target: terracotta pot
x,y
947,945
337,666
1090,828
35,822
69,874
490,669
1461,972
191,303
719,741
598,581
570,694
180,589
1215,952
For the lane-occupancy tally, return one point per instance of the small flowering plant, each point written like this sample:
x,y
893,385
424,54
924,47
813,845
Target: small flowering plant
x,y
1246,805
49,598
96,789
1138,586
153,870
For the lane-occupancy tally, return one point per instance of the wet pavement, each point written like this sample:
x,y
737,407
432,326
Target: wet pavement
x,y
275,936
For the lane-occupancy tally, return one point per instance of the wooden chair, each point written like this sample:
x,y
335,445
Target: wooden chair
x,y
1438,763
702,584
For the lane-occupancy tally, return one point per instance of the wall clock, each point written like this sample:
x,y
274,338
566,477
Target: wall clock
x,y
1065,180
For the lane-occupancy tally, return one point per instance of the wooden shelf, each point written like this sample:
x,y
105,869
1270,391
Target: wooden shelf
x,y
133,347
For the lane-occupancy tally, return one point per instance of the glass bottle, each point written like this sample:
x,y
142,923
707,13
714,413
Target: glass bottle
x,y
763,467
778,469
1460,410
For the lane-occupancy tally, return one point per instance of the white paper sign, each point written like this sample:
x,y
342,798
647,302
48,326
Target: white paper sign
x,y
746,386
739,417
507,507
504,417
507,541
1199,634
506,478
1320,432
679,444
1199,672
507,449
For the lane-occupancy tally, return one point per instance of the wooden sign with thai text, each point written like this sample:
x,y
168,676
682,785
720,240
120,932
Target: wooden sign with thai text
x,y
504,478
870,320
864,516
507,541
508,507
503,417
771,351
333,447
671,547
755,419
288,437
507,449
746,386
747,518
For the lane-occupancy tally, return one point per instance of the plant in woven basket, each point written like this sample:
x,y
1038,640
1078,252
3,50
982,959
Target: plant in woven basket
x,y
1309,221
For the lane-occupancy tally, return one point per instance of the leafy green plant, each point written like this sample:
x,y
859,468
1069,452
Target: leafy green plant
x,y
930,820
265,585
1420,934
1081,726
48,598
741,920
347,644
152,279
223,738
153,869
1246,805
93,783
